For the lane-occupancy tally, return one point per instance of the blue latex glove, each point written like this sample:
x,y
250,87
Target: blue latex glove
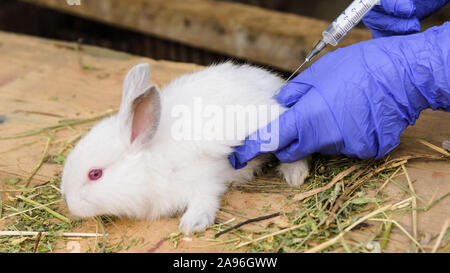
x,y
357,100
394,17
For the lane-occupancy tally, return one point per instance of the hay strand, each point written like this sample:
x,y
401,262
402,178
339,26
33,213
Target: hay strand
x,y
441,236
41,161
60,125
270,235
349,228
434,147
336,179
36,204
35,233
413,204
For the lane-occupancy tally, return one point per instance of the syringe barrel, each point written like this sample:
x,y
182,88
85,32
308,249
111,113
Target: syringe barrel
x,y
347,20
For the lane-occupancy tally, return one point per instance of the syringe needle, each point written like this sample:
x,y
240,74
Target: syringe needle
x,y
314,52
298,69
340,28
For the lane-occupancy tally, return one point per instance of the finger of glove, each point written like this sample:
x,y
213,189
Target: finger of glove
x,y
399,8
426,8
294,90
291,92
276,135
380,34
391,25
317,130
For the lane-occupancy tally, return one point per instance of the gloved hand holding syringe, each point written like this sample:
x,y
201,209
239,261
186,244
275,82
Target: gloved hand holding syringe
x,y
340,27
358,100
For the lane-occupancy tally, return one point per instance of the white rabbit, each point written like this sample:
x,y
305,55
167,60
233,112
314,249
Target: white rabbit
x,y
132,164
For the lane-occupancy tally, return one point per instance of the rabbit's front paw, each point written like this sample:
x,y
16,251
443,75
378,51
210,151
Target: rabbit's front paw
x,y
196,221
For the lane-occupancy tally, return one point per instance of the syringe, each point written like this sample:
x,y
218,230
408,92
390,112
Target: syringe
x,y
340,27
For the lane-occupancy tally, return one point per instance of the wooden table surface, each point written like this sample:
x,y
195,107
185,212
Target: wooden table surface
x,y
44,81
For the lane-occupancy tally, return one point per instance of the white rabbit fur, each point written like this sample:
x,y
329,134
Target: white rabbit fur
x,y
156,175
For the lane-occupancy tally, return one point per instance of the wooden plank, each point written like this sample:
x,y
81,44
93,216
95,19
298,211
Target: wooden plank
x,y
44,81
263,36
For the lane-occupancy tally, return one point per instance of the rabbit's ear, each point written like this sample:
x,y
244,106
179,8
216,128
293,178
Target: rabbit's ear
x,y
140,109
145,113
136,82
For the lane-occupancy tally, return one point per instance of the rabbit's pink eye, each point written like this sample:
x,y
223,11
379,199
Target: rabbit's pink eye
x,y
95,174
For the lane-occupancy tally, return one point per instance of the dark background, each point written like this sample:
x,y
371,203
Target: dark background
x,y
20,17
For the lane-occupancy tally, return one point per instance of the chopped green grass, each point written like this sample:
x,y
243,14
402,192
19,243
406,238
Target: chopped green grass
x,y
353,196
30,218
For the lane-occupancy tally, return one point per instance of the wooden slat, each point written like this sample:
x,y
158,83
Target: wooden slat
x,y
260,35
